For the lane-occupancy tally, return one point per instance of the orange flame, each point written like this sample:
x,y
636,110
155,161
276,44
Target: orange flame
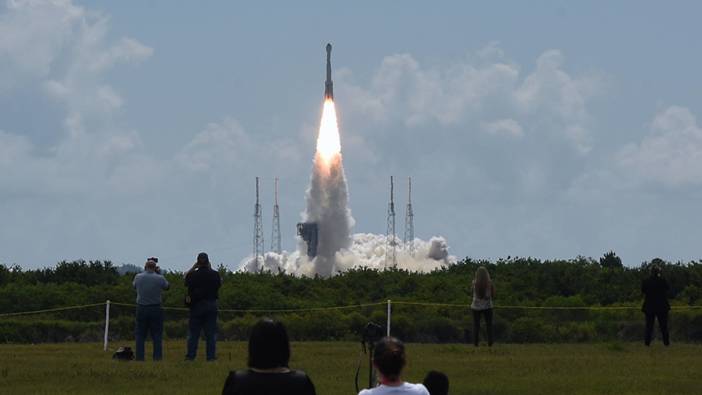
x,y
328,141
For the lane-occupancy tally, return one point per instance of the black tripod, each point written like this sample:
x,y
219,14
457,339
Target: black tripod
x,y
371,372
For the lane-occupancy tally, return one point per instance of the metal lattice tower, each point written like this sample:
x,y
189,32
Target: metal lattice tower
x,y
390,235
275,234
409,220
258,231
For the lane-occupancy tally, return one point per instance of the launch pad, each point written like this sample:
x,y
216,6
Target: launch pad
x,y
309,232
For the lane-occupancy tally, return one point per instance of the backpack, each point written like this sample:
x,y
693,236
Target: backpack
x,y
123,354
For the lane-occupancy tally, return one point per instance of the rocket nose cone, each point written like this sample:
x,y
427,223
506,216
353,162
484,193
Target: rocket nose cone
x,y
328,47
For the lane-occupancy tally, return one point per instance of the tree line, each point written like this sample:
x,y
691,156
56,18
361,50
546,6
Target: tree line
x,y
519,282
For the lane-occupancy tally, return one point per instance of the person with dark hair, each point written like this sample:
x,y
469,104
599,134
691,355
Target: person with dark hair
x,y
437,383
203,291
483,293
268,372
149,314
389,359
655,290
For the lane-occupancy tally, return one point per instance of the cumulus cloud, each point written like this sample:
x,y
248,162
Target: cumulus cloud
x,y
61,50
219,141
671,154
668,156
476,89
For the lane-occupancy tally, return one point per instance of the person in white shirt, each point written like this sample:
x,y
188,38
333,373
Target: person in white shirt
x,y
389,360
483,292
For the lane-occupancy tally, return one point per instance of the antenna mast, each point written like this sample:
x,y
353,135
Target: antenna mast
x,y
258,231
275,235
409,220
390,238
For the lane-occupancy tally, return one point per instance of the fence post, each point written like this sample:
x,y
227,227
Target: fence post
x,y
389,316
107,323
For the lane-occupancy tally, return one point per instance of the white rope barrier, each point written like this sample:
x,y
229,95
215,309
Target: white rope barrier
x,y
19,313
388,303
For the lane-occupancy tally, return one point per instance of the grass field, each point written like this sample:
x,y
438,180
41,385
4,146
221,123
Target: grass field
x,y
505,369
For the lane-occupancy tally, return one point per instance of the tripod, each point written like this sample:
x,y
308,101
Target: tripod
x,y
371,372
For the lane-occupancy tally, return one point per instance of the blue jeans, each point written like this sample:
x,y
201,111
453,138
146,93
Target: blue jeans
x,y
203,316
149,320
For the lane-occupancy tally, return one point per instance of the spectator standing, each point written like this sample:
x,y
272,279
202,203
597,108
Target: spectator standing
x,y
655,290
149,314
203,291
483,293
268,372
389,359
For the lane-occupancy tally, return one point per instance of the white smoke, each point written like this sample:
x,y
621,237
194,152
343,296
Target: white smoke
x,y
327,199
366,250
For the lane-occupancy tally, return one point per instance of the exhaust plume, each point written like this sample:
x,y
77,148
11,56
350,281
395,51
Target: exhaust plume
x,y
327,195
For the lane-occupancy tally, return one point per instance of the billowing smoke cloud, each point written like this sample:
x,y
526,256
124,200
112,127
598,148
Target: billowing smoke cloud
x,y
327,199
366,250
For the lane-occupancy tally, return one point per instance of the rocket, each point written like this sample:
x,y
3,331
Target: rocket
x,y
328,84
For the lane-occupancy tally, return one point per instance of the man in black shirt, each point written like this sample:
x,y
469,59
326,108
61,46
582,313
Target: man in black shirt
x,y
655,305
203,291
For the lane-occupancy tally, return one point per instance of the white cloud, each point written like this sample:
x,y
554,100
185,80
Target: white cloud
x,y
551,91
127,50
507,127
671,154
223,141
61,50
64,49
476,91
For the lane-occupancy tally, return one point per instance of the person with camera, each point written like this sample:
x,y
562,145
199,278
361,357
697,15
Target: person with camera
x,y
389,360
656,305
483,293
268,371
203,285
149,285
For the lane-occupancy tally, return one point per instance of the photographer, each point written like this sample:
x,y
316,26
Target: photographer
x,y
655,290
389,359
149,315
203,291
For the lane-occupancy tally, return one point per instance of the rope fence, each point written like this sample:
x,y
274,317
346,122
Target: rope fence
x,y
389,303
20,313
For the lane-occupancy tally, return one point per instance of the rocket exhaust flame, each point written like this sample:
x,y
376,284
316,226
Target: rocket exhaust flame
x,y
328,141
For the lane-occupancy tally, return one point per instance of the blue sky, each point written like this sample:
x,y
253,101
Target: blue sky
x,y
547,129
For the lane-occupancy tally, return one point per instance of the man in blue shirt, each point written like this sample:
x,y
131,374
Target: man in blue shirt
x,y
149,315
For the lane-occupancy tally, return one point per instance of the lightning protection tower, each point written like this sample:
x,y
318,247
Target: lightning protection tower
x,y
390,235
409,220
258,231
275,234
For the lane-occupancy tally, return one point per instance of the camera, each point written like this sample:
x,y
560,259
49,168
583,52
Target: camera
x,y
372,333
